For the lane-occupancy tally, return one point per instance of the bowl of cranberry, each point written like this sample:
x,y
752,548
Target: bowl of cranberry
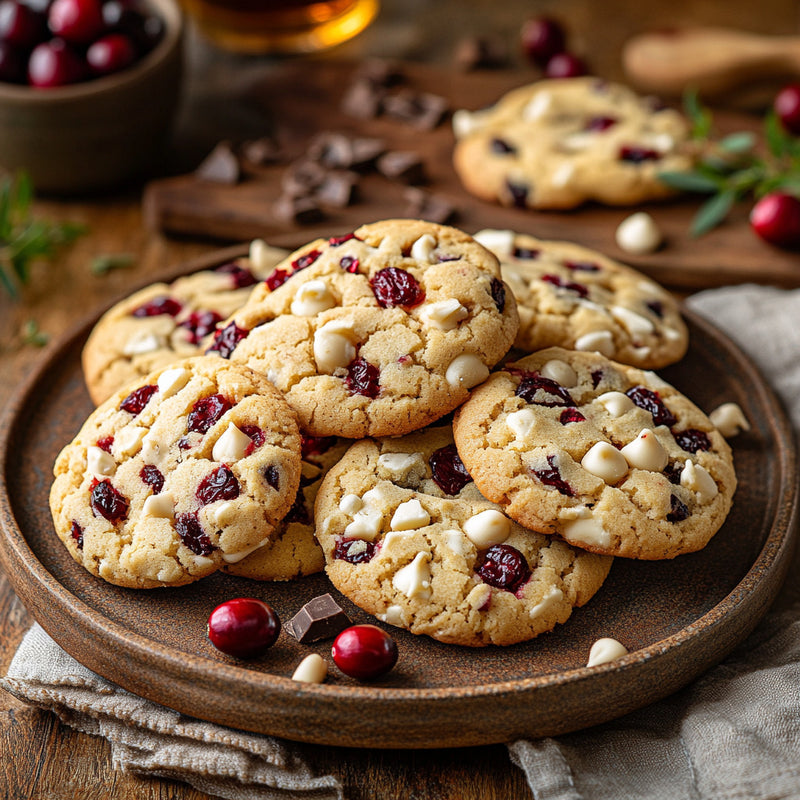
x,y
88,90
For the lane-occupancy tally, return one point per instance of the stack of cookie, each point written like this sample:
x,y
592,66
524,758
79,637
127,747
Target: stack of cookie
x,y
317,431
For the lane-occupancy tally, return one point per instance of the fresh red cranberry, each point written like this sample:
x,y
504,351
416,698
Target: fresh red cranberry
x,y
337,241
107,502
776,219
448,470
364,652
272,476
76,532
158,306
276,278
542,38
504,567
299,511
552,477
519,194
54,64
221,484
657,307
787,107
570,286
349,264
106,443
565,65
678,510
243,627
206,412
396,287
552,392
305,260
226,340
200,324
502,147
20,25
240,277
256,436
498,292
110,54
315,445
191,533
363,378
526,252
123,16
12,64
691,440
600,124
151,475
637,155
571,415
582,266
651,401
135,402
353,551
76,21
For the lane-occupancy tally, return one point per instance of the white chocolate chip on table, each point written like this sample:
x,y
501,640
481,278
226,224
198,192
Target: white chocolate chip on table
x,y
604,651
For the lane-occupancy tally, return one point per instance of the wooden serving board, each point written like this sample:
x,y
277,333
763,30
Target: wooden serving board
x,y
303,98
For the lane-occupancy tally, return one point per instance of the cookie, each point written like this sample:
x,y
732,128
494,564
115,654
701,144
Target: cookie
x,y
576,298
609,457
378,332
293,551
556,144
409,538
164,322
177,475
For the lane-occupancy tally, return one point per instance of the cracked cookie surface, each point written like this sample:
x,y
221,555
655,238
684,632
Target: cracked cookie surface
x,y
176,475
378,332
576,298
556,144
409,538
611,458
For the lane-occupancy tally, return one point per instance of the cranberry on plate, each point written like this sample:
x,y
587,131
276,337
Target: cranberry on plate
x,y
776,219
364,652
244,627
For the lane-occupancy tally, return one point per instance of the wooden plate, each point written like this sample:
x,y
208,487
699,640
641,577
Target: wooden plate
x,y
677,617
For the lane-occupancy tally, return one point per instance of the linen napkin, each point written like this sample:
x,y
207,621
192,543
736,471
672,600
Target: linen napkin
x,y
735,733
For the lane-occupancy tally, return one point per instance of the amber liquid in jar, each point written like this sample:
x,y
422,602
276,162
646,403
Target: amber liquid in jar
x,y
280,26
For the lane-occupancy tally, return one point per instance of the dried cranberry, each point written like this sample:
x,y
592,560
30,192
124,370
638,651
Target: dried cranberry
x,y
301,262
221,484
190,530
501,146
106,443
555,394
76,532
657,307
315,445
526,252
256,436
582,266
519,194
299,512
152,477
200,324
135,402
570,286
679,511
504,567
600,123
343,547
691,440
349,264
272,476
597,376
498,292
206,412
157,307
243,627
185,443
552,477
651,401
363,378
107,502
673,473
364,652
276,278
336,241
396,287
637,155
448,470
240,276
226,340
571,415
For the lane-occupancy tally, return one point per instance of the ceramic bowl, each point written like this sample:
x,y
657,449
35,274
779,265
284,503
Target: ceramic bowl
x,y
101,133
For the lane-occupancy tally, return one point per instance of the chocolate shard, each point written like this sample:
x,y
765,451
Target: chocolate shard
x,y
380,72
337,189
481,52
320,618
422,110
262,151
363,99
302,177
220,166
402,165
429,206
299,210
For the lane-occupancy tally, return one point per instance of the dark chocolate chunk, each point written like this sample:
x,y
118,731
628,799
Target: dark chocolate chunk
x,y
429,206
300,210
363,99
220,166
420,109
481,52
337,189
380,72
320,618
338,151
302,178
262,151
402,165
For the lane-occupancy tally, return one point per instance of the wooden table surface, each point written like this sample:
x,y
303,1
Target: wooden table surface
x,y
41,758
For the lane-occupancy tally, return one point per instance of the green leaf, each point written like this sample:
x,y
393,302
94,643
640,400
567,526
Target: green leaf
x,y
699,116
103,264
778,141
712,212
740,142
31,334
689,181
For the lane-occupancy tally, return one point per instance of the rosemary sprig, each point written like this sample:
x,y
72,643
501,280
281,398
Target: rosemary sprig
x,y
25,239
33,335
730,168
106,263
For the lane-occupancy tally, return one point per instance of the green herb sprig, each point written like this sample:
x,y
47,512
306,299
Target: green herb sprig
x,y
24,238
730,169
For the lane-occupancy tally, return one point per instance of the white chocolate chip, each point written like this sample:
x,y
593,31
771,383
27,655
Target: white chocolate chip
x,y
638,234
366,524
225,515
729,420
172,381
616,403
562,175
671,334
554,596
143,342
392,616
334,347
646,452
128,441
401,467
422,249
232,445
159,505
201,562
634,323
487,528
467,122
312,669
236,557
605,650
586,529
313,297
466,370
351,503
478,595
606,462
456,541
522,423
99,463
444,314
541,103
560,372
575,142
152,449
392,542
409,516
415,578
697,479
501,243
597,341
